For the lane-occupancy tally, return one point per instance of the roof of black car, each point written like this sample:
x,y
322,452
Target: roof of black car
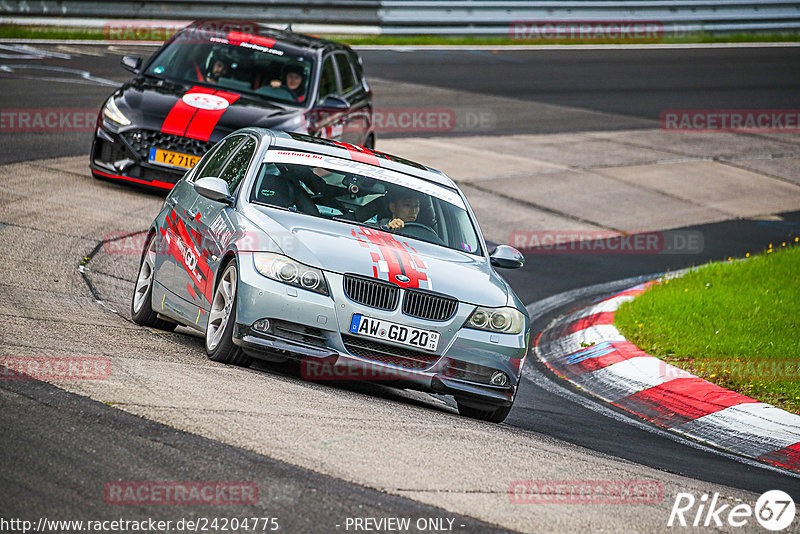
x,y
221,28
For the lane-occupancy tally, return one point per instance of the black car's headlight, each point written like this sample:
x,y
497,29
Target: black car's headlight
x,y
502,320
288,271
112,113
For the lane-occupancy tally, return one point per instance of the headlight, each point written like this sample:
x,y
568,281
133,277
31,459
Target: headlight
x,y
503,320
112,112
290,272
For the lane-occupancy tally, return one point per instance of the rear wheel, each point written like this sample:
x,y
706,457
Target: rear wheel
x,y
141,303
492,414
221,320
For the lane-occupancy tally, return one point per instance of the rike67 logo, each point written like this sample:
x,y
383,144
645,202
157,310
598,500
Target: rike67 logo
x,y
774,510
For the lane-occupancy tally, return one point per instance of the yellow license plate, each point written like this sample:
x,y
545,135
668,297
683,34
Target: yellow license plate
x,y
172,159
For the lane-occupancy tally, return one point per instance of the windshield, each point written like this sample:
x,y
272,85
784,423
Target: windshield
x,y
242,65
328,191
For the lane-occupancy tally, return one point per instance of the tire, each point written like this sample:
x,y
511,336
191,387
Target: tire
x,y
222,318
492,414
142,299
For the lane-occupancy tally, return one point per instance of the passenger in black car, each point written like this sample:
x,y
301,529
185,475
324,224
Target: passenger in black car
x,y
292,77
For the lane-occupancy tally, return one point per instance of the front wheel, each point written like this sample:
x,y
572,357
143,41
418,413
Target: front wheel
x,y
492,414
141,304
221,319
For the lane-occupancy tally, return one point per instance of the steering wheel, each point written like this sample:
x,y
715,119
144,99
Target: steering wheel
x,y
421,231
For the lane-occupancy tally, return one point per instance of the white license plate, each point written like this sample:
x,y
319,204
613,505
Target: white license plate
x,y
405,335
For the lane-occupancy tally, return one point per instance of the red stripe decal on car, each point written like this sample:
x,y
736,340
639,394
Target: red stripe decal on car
x,y
239,38
153,183
205,120
199,271
181,114
359,154
398,261
262,41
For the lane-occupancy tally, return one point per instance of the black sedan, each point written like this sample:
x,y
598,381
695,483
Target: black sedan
x,y
211,79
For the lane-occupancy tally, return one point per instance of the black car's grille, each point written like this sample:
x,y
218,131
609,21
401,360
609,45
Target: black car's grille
x,y
428,306
371,293
107,152
298,332
383,353
468,371
143,140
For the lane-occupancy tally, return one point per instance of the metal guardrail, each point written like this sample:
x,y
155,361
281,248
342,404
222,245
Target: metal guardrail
x,y
331,11
676,16
496,16
442,17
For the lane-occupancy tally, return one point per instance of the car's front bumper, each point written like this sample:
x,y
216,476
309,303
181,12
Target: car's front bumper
x,y
310,327
122,155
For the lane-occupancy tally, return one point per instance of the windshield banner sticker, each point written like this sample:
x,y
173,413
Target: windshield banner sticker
x,y
371,171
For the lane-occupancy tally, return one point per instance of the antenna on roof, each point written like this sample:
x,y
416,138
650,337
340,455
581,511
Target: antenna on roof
x,y
288,27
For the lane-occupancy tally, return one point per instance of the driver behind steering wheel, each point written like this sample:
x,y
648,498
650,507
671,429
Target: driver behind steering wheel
x,y
404,207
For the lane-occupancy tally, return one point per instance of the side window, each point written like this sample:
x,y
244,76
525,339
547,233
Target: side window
x,y
198,168
219,157
327,81
346,73
355,61
237,166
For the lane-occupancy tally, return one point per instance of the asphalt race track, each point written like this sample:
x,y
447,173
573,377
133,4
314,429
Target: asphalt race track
x,y
81,444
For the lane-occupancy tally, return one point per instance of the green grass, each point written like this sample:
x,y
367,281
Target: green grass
x,y
14,31
9,31
734,323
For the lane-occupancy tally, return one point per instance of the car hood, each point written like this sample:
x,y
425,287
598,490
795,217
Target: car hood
x,y
350,248
147,102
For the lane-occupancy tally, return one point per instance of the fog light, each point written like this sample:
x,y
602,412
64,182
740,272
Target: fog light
x,y
123,164
262,325
499,379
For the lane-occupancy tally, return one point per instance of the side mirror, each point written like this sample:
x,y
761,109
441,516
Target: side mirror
x,y
131,63
215,189
335,102
507,257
